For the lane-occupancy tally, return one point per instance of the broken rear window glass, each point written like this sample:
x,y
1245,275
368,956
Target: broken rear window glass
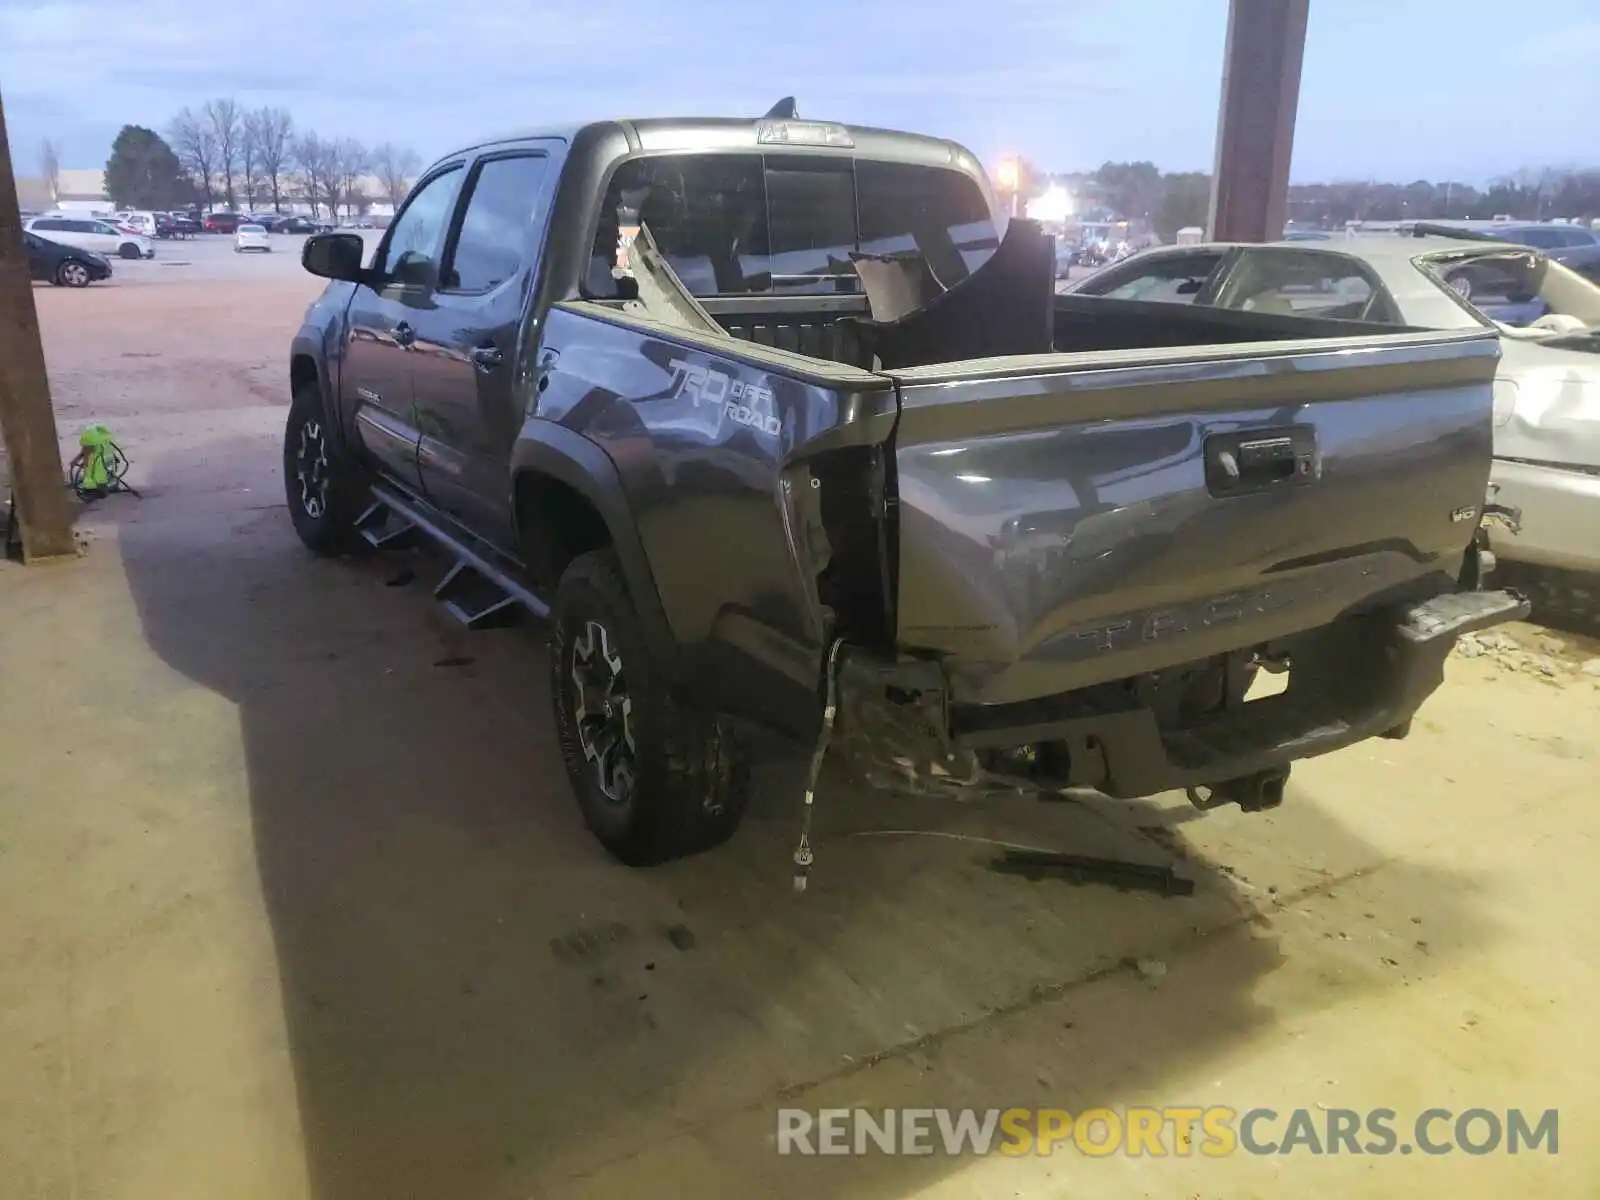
x,y
745,224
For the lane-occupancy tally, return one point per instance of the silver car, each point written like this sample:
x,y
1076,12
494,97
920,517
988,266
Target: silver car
x,y
1547,390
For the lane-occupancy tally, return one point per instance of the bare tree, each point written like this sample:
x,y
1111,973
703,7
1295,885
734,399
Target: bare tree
x,y
274,128
195,144
396,167
50,169
318,163
351,160
227,127
250,158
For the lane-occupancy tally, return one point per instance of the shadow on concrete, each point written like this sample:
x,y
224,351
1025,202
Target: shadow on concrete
x,y
481,1004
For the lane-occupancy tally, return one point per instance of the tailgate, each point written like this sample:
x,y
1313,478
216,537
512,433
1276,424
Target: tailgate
x,y
1070,519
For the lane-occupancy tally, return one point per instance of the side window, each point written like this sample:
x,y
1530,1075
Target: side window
x,y
1543,239
102,227
1313,283
1576,237
811,216
1167,279
48,226
488,248
416,236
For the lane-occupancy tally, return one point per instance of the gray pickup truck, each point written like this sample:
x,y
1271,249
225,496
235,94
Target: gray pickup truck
x,y
785,431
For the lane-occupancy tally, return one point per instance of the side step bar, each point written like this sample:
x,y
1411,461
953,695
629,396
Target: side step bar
x,y
478,591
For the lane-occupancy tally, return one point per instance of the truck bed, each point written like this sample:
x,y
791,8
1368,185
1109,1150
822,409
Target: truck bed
x,y
808,324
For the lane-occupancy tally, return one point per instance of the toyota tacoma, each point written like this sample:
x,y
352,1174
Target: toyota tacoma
x,y
784,429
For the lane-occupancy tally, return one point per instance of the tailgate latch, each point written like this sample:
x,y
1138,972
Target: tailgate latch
x,y
1237,463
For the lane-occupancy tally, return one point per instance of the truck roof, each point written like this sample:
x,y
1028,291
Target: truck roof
x,y
647,134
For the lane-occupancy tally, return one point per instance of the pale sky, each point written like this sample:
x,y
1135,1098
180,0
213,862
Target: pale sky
x,y
1392,89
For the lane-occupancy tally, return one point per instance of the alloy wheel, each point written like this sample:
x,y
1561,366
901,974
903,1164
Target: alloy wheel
x,y
311,469
603,711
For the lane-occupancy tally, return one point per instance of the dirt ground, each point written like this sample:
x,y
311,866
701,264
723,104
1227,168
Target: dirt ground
x,y
297,904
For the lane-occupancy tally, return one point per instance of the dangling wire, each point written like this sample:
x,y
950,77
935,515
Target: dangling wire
x,y
803,857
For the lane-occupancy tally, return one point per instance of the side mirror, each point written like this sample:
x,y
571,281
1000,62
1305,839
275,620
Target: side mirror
x,y
335,256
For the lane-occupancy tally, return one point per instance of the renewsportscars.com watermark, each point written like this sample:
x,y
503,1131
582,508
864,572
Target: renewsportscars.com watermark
x,y
1212,1131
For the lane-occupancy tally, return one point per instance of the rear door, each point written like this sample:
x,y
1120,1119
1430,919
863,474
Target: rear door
x,y
466,339
375,381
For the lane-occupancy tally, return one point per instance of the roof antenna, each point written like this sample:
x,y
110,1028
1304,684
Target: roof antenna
x,y
783,110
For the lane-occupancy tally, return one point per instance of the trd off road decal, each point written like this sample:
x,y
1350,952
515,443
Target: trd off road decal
x,y
744,403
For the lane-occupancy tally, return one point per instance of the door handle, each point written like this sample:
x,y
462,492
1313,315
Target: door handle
x,y
404,335
487,358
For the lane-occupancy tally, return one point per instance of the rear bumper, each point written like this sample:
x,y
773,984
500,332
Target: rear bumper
x,y
1362,677
1560,515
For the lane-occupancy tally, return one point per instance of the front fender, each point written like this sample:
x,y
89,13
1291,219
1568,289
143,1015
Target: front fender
x,y
545,448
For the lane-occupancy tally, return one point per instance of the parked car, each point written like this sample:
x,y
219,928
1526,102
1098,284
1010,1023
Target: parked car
x,y
174,225
62,265
303,225
138,222
1006,535
251,237
221,222
91,233
1547,389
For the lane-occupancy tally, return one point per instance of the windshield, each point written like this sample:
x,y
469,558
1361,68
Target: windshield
x,y
1523,292
251,229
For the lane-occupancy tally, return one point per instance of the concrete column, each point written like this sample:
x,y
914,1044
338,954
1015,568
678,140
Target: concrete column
x,y
1255,127
27,419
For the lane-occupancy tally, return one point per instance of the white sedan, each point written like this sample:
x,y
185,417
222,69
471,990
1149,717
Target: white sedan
x,y
252,237
91,233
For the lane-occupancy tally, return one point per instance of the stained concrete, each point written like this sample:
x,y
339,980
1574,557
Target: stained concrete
x,y
297,903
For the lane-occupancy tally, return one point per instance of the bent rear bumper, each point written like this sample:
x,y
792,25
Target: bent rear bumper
x,y
1361,677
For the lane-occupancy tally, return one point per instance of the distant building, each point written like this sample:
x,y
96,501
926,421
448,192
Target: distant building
x,y
84,190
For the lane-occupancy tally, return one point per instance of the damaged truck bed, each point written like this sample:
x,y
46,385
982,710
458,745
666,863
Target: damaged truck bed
x,y
756,474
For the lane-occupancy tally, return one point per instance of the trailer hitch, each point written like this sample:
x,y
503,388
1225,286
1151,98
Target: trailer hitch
x,y
1256,792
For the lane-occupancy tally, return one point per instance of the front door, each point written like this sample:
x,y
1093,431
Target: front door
x,y
375,379
463,359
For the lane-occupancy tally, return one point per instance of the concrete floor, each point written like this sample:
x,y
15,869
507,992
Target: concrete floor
x,y
297,903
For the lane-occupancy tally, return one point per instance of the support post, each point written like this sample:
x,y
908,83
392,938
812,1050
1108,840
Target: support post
x,y
27,418
1255,126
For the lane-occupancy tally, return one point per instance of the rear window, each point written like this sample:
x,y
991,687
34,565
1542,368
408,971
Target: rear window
x,y
748,224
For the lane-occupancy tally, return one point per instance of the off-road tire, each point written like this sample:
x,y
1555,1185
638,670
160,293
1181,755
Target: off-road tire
x,y
326,527
690,776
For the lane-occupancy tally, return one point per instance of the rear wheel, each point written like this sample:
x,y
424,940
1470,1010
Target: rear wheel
x,y
72,273
654,781
325,488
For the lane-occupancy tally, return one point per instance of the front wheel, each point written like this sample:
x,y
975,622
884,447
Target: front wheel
x,y
73,274
654,781
130,251
324,487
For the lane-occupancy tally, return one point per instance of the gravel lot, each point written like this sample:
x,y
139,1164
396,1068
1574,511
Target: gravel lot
x,y
298,904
